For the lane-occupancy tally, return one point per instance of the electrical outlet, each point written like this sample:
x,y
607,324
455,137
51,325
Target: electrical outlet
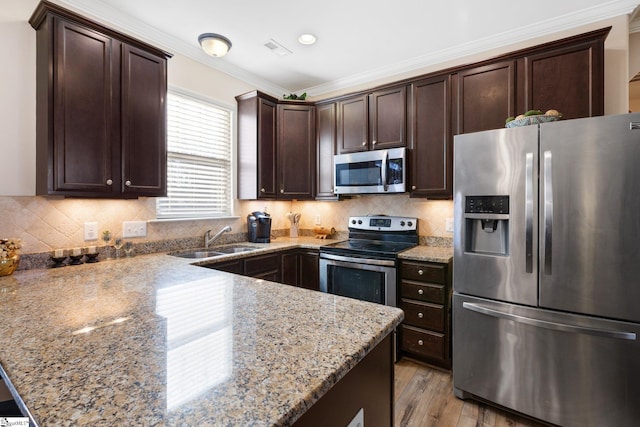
x,y
90,231
448,227
134,229
318,222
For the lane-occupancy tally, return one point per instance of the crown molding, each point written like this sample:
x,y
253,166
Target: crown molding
x,y
551,26
106,14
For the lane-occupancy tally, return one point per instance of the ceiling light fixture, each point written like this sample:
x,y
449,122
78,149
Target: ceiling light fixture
x,y
214,44
307,39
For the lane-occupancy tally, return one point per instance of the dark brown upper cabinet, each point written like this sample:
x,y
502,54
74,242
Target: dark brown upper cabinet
x,y
486,96
101,117
296,150
257,139
325,150
373,121
431,138
569,79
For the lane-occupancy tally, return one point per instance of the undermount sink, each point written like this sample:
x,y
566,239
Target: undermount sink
x,y
235,249
213,252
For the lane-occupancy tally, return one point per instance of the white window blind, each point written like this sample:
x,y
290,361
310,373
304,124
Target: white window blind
x,y
198,159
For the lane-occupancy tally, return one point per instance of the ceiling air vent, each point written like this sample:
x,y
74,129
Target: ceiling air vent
x,y
277,48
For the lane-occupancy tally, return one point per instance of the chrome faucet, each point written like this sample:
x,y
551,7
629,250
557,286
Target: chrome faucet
x,y
208,239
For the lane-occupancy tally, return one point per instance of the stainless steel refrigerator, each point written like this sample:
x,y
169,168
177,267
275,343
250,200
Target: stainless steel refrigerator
x,y
546,271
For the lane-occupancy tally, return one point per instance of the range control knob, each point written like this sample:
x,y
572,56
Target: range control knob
x,y
359,222
353,221
410,223
401,223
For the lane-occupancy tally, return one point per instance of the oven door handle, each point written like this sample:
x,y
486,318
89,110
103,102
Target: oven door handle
x,y
361,261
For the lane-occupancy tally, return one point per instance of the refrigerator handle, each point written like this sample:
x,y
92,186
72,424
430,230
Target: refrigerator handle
x,y
528,213
631,336
547,213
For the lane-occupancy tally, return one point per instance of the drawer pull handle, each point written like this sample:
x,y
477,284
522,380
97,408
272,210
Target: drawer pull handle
x,y
421,272
420,292
420,315
420,342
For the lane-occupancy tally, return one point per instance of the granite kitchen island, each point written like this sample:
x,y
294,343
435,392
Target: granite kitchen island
x,y
153,340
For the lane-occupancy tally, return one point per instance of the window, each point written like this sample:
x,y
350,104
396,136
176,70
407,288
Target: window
x,y
199,167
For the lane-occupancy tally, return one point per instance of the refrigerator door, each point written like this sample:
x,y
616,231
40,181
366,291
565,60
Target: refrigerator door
x,y
568,370
590,216
495,214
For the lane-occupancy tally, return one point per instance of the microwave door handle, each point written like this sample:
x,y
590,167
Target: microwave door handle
x,y
385,165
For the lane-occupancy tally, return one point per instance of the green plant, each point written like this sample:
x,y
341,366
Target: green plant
x,y
293,96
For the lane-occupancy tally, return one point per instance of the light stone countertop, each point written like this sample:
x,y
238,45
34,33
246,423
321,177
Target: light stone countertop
x,y
154,341
428,253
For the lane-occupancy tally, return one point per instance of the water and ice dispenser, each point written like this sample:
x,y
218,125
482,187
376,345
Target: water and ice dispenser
x,y
486,222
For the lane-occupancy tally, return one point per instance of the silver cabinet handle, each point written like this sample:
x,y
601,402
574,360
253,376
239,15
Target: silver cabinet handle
x,y
262,190
548,324
420,342
374,142
109,182
127,183
281,191
420,292
547,215
528,213
413,187
364,143
420,315
421,272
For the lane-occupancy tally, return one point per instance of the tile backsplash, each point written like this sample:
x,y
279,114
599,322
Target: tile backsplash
x,y
45,223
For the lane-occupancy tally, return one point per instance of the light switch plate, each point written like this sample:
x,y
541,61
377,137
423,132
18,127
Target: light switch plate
x,y
90,231
134,229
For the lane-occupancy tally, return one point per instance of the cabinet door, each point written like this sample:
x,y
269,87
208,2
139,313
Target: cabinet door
x,y
256,146
486,97
266,149
296,159
353,125
289,268
388,118
144,91
432,157
80,157
569,79
326,149
309,275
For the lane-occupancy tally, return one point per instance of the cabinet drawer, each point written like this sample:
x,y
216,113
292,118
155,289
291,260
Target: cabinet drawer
x,y
427,292
423,343
423,272
424,315
261,264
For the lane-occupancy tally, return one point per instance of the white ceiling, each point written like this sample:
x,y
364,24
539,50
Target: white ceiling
x,y
358,40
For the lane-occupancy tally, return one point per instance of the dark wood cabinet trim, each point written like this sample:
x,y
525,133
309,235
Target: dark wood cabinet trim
x,y
46,7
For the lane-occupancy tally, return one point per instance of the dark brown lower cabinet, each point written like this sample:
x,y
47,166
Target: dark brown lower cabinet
x,y
425,297
300,267
368,386
297,267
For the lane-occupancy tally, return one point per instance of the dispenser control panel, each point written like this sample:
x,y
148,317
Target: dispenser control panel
x,y
487,204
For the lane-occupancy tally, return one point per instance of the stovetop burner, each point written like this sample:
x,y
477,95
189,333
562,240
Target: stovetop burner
x,y
378,236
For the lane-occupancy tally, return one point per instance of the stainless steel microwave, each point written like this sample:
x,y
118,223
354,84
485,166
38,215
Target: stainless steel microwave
x,y
378,171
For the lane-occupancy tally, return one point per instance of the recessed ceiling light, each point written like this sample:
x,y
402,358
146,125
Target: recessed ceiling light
x,y
307,39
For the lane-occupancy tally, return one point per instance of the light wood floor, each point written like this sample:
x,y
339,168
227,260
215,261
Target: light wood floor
x,y
424,398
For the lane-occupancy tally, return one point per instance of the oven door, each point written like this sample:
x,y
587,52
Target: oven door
x,y
361,278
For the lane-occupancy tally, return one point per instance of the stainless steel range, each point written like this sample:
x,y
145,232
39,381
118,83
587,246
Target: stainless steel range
x,y
364,267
